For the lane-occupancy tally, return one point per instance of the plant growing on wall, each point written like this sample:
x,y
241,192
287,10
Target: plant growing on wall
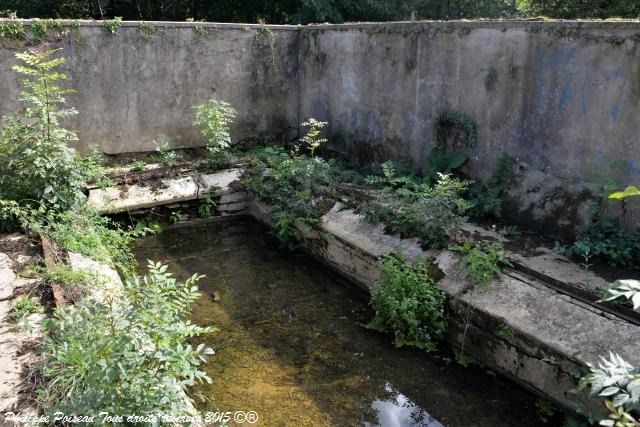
x,y
431,213
168,156
484,261
147,30
298,188
449,121
36,164
618,382
491,79
214,118
312,140
265,40
39,30
486,200
607,241
12,31
629,289
112,26
408,304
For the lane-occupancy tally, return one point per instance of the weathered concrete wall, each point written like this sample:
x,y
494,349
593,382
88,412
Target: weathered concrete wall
x,y
564,102
130,89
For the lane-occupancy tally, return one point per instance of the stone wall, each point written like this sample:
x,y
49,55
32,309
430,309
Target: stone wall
x,y
131,89
561,98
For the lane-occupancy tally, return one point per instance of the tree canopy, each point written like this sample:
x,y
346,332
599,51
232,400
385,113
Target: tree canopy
x,y
307,11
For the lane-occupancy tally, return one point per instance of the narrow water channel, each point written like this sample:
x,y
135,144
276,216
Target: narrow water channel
x,y
291,344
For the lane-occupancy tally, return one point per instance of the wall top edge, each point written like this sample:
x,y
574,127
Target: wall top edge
x,y
481,23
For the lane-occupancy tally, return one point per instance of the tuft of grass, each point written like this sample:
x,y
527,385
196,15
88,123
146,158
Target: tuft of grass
x,y
23,307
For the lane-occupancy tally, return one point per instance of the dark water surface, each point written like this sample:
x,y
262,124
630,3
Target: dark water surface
x,y
291,345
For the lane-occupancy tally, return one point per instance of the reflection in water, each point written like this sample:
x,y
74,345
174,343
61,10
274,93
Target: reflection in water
x,y
291,343
400,411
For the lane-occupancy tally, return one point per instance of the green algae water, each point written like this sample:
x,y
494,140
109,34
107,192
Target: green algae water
x,y
291,345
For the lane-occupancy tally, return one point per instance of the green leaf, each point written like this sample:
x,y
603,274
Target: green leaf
x,y
630,191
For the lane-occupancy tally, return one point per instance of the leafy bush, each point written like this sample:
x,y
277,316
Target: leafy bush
x,y
138,166
431,213
607,241
214,119
619,383
628,289
175,217
86,232
206,207
312,139
297,188
36,164
125,357
112,26
409,304
486,201
168,156
483,260
391,179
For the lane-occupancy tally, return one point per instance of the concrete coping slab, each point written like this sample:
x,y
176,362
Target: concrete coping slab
x,y
560,322
162,192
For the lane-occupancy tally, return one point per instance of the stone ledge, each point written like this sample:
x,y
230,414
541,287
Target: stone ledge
x,y
163,192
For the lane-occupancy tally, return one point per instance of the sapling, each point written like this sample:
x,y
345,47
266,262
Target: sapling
x,y
312,139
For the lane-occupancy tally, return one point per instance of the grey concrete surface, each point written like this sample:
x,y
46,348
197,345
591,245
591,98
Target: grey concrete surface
x,y
130,90
139,196
563,100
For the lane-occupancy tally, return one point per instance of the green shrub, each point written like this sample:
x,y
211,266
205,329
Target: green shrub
x,y
206,208
147,30
12,31
125,357
87,233
486,201
39,30
408,304
214,118
483,260
296,187
628,290
431,213
36,164
450,120
391,179
175,217
112,26
138,166
312,140
618,382
168,156
607,241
